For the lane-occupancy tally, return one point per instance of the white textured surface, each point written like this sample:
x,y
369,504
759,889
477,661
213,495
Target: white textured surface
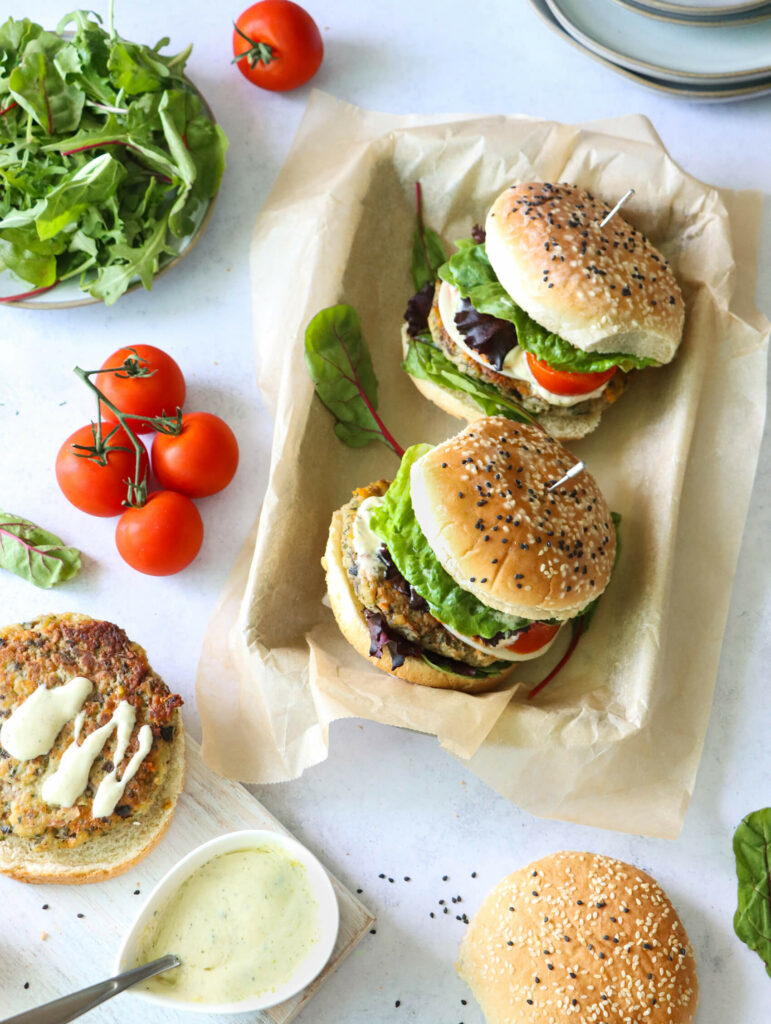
x,y
386,801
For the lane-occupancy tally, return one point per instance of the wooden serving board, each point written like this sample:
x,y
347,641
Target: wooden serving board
x,y
46,945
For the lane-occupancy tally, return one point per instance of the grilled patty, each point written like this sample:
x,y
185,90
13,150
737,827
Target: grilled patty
x,y
403,611
519,390
51,651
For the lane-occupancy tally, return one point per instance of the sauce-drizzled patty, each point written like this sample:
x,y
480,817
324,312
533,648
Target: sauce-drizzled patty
x,y
89,759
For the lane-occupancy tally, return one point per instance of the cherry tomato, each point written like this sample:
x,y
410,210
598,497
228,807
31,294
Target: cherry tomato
x,y
277,45
91,487
162,391
562,382
161,537
536,636
199,461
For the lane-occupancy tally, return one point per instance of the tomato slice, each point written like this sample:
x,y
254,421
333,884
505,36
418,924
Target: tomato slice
x,y
562,382
536,636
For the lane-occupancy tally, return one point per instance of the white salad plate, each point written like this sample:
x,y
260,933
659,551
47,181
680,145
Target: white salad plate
x,y
696,17
306,971
694,92
728,55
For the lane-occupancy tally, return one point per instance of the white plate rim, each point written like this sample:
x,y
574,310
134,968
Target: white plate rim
x,y
719,95
753,14
675,8
656,70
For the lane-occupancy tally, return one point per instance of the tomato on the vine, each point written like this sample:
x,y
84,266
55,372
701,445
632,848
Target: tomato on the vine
x,y
200,460
90,486
154,385
277,45
564,382
161,537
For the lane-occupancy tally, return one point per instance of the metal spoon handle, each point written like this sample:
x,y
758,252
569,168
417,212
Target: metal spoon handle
x,y
59,1011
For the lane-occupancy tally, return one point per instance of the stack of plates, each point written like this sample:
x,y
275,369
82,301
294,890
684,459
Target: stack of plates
x,y
699,49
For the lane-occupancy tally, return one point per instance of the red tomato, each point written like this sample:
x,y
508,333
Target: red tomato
x,y
91,487
561,382
163,536
199,461
277,45
536,636
163,391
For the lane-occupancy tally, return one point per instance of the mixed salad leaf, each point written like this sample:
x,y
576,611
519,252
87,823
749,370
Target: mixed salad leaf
x,y
395,523
752,849
107,155
470,271
35,554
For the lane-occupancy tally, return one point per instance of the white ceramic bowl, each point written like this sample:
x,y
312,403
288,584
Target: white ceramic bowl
x,y
329,917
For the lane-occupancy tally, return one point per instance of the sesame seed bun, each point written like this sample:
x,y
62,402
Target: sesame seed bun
x,y
481,501
577,937
601,289
349,613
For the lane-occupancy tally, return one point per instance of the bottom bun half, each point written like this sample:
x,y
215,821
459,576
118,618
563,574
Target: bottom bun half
x,y
349,613
110,853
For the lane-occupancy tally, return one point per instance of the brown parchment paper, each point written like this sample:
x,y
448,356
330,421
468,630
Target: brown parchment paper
x,y
615,740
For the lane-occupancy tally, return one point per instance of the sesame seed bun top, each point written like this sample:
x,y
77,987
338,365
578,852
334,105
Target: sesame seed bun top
x,y
577,937
481,501
602,289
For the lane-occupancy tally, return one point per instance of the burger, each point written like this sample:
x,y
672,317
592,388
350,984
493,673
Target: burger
x,y
578,937
472,559
549,310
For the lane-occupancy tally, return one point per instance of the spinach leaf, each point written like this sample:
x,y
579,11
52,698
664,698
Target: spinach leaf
x,y
340,367
425,361
471,272
395,523
752,849
35,554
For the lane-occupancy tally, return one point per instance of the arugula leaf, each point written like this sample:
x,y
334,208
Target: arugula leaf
x,y
471,272
35,554
90,185
752,849
142,261
395,523
425,361
340,367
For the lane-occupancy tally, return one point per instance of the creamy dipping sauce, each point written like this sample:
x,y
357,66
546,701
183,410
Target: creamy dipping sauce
x,y
241,924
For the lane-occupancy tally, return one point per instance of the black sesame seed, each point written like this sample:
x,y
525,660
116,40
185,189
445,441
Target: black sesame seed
x,y
373,931
397,1003
509,942
529,1002
45,906
407,878
359,891
81,915
534,893
473,873
26,984
572,974
381,876
431,914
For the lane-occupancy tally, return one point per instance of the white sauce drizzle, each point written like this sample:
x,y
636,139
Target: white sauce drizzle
x,y
514,365
34,725
365,541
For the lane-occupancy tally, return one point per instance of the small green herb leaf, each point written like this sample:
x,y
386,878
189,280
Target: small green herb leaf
x,y
35,554
340,366
752,849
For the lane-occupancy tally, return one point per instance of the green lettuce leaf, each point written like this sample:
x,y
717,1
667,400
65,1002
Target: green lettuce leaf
x,y
425,361
470,271
395,523
89,186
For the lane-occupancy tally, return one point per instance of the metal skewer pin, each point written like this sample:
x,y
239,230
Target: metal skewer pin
x,y
573,471
627,195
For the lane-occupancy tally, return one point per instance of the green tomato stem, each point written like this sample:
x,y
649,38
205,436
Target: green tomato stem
x,y
258,52
136,495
